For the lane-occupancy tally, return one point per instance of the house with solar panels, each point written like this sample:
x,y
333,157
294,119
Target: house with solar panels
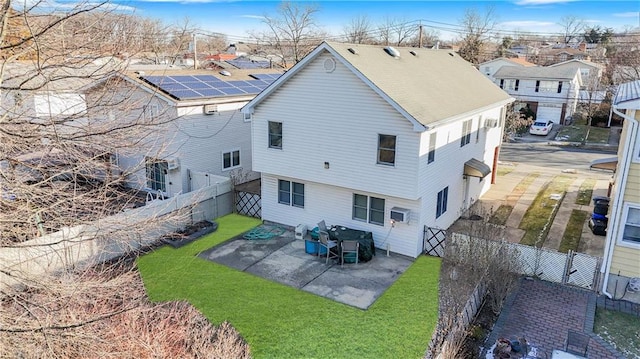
x,y
382,139
201,130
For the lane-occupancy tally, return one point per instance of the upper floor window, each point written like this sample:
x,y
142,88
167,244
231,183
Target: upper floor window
x,y
291,193
631,233
548,86
230,159
369,209
386,149
275,134
432,147
510,84
466,133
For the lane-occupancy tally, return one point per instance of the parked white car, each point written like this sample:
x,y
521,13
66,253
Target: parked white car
x,y
541,128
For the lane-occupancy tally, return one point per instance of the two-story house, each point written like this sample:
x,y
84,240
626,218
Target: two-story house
x,y
551,93
195,126
591,90
488,68
382,139
622,248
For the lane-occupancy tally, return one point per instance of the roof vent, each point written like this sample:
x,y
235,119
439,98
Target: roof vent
x,y
139,73
225,73
451,54
413,53
352,50
392,51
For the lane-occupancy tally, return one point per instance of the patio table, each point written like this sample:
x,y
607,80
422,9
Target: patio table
x,y
367,247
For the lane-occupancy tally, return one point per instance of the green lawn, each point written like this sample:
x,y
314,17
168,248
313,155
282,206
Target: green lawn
x,y
620,329
577,133
585,192
538,218
282,322
573,231
501,215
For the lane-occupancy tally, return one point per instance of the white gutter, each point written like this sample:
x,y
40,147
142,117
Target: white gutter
x,y
619,191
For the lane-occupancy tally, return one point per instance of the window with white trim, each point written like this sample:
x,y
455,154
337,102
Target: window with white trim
x,y
631,232
230,159
368,209
156,172
275,134
441,205
547,86
466,133
432,147
386,149
291,193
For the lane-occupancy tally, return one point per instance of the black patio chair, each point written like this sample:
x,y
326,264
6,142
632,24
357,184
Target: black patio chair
x,y
577,343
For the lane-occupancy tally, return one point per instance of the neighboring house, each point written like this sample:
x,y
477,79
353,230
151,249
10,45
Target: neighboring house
x,y
622,248
360,135
591,90
551,93
489,68
552,56
197,129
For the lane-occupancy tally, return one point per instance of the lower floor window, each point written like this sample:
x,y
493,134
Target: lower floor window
x,y
631,231
291,193
369,209
156,174
441,206
230,159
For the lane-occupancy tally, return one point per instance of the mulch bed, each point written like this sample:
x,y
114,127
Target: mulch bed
x,y
189,234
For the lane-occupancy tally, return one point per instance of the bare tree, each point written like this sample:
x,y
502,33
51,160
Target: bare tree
x,y
358,31
293,31
397,32
476,27
572,28
58,142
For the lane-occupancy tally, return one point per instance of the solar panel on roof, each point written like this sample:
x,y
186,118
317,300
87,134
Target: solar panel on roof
x,y
174,86
183,79
206,78
211,92
199,86
231,90
184,94
250,89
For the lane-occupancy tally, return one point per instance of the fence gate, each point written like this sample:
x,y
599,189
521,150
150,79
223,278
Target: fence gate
x,y
582,270
433,241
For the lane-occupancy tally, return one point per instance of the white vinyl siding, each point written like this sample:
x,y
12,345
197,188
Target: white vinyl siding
x,y
348,120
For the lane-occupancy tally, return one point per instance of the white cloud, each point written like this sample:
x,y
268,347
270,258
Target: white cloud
x,y
54,5
526,23
542,2
259,17
627,14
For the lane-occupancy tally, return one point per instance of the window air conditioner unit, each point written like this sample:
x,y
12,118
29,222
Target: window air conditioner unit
x,y
210,109
173,164
400,215
491,123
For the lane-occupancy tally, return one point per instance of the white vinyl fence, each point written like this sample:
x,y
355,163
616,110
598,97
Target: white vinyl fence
x,y
572,268
102,240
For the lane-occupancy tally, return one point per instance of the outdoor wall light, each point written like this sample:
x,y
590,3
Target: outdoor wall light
x,y
326,165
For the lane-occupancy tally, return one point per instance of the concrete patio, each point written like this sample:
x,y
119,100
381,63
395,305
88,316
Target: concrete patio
x,y
283,259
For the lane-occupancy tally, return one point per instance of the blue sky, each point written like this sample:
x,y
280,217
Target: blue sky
x,y
237,18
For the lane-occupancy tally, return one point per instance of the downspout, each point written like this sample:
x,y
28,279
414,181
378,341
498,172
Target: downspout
x,y
626,163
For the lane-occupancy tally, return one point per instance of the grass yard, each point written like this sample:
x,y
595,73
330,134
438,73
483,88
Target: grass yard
x,y
573,231
585,192
577,133
538,218
620,329
501,215
283,322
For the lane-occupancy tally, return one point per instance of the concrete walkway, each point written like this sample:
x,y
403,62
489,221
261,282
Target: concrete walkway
x,y
504,192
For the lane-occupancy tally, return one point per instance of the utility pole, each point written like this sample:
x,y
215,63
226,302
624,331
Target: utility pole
x,y
420,36
195,54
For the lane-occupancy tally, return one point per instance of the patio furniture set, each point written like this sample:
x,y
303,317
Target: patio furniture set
x,y
341,243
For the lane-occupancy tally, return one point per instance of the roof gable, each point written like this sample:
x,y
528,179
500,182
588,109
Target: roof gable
x,y
425,85
542,73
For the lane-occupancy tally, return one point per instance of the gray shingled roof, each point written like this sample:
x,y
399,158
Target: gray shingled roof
x,y
431,86
628,91
544,73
